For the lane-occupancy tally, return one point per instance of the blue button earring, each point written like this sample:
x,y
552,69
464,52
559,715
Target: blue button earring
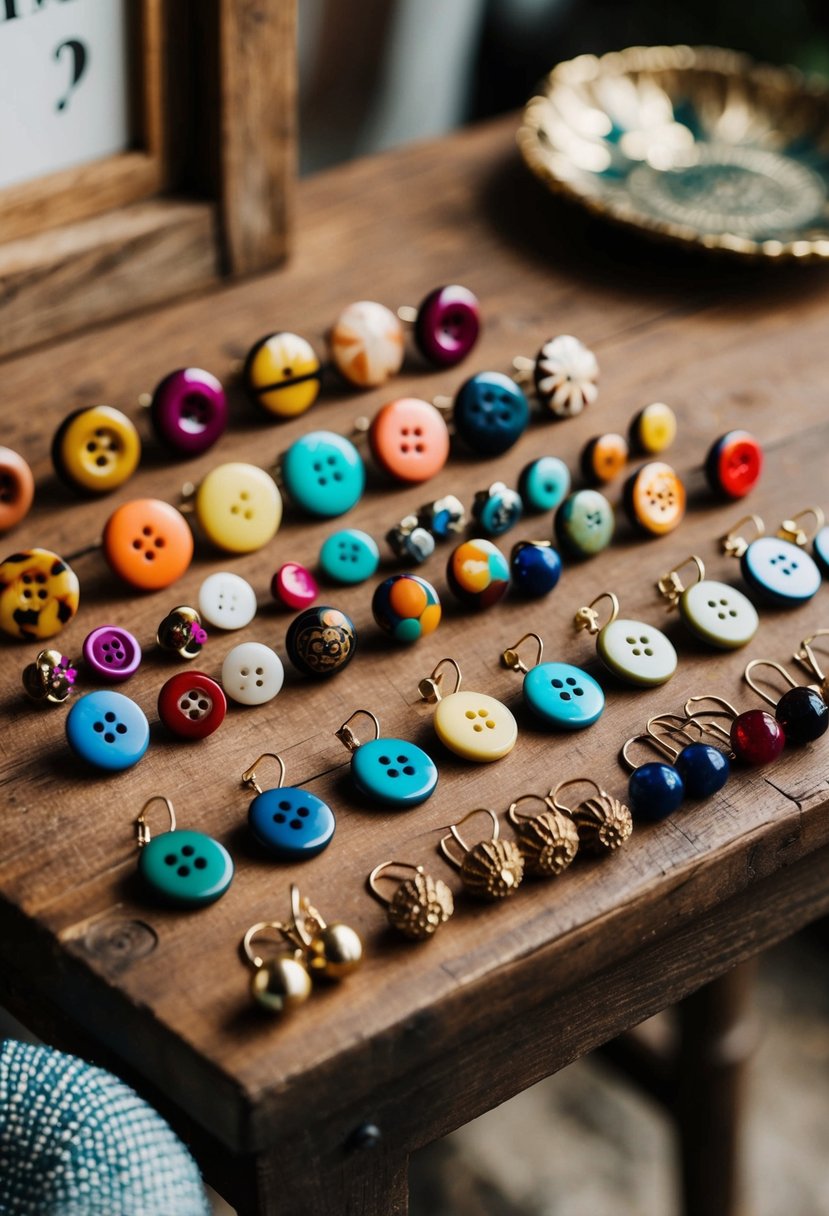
x,y
390,771
777,567
544,483
181,867
490,413
497,509
560,695
535,568
291,823
108,730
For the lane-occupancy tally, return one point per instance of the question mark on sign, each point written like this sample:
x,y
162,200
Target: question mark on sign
x,y
78,53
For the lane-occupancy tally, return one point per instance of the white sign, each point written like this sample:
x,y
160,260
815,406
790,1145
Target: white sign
x,y
63,85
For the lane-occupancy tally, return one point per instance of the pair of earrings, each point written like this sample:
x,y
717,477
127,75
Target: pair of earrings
x,y
413,539
695,769
309,948
778,568
651,430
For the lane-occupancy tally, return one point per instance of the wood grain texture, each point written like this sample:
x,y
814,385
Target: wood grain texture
x,y
423,1038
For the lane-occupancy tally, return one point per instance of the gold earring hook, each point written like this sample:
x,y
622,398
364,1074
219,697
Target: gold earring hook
x,y
790,528
734,545
405,866
260,927
658,745
429,688
454,834
588,618
512,811
671,586
806,656
346,735
674,725
753,665
249,775
563,785
142,828
303,913
511,658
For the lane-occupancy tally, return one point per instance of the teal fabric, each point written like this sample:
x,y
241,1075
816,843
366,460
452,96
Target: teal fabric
x,y
76,1141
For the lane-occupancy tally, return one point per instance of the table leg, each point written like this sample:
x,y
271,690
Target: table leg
x,y
365,1183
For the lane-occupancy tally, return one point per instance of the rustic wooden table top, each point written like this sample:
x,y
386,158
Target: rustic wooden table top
x,y
425,1035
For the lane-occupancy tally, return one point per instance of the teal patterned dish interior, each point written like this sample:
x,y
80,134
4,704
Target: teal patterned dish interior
x,y
696,145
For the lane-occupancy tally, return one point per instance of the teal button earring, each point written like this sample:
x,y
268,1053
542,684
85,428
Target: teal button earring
x,y
181,867
635,652
560,695
391,771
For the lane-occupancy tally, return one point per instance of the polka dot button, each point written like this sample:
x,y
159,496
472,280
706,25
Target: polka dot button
x,y
718,614
654,498
17,489
324,473
191,705
107,730
238,507
366,344
96,449
394,772
490,413
544,483
111,653
291,823
349,556
294,586
447,326
148,543
409,440
584,523
563,696
39,594
252,674
282,374
653,429
475,726
636,653
227,601
781,571
734,464
189,411
186,868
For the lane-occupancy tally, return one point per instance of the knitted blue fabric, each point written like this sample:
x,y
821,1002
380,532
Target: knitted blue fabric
x,y
76,1141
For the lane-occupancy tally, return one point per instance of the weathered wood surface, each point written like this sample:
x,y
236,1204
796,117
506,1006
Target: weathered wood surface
x,y
424,1037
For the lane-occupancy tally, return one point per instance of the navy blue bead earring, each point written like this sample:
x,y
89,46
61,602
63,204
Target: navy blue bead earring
x,y
802,711
704,769
655,789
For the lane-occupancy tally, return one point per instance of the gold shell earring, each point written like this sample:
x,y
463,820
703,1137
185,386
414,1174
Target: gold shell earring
x,y
419,904
490,869
548,840
603,822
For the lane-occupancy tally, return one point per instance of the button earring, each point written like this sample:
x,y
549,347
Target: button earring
x,y
801,711
321,641
653,429
51,677
446,324
390,771
290,823
181,633
407,607
715,613
17,489
471,724
39,594
323,474
584,524
565,373
490,413
107,730
409,440
734,464
180,866
96,449
560,695
654,499
366,344
543,484
188,411
283,374
419,904
281,981
490,869
603,457
637,653
535,568
191,705
548,840
238,507
603,822
252,674
497,509
477,573
777,567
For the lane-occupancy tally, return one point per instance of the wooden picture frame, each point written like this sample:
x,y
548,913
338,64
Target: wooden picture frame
x,y
205,191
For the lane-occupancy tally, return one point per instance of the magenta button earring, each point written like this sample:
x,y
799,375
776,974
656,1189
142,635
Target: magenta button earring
x,y
189,411
446,325
111,653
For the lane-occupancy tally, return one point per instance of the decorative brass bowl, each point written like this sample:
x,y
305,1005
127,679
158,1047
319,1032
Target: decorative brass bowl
x,y
696,145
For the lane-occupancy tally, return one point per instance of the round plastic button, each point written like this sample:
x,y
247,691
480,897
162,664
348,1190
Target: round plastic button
x,y
544,483
107,730
39,594
447,326
497,509
252,674
781,571
17,489
407,607
321,641
475,726
718,614
324,473
189,411
96,449
238,507
563,696
654,498
227,601
111,652
637,653
820,549
394,772
566,372
294,586
283,374
148,543
490,413
409,440
291,823
584,523
477,573
535,568
734,464
367,344
653,429
349,556
604,457
186,868
191,705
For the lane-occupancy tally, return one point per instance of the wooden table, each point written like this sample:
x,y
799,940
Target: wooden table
x,y
317,1115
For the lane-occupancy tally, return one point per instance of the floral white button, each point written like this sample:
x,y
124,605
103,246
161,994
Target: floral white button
x,y
636,652
475,726
718,614
227,601
252,674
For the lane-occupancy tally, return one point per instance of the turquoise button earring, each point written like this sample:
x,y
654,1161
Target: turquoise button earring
x,y
390,771
292,824
544,483
777,567
560,695
323,473
181,867
719,615
637,653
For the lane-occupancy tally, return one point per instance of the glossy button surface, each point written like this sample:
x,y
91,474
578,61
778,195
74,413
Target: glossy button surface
x,y
186,868
366,344
189,411
653,429
148,543
637,653
409,439
107,730
718,614
227,601
321,641
544,483
252,674
394,772
478,573
497,509
294,586
781,571
821,549
349,556
475,726
655,498
283,374
407,607
584,523
17,489
238,507
448,323
563,696
39,594
324,473
191,705
655,790
111,652
291,823
535,568
96,449
734,464
490,413
604,457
